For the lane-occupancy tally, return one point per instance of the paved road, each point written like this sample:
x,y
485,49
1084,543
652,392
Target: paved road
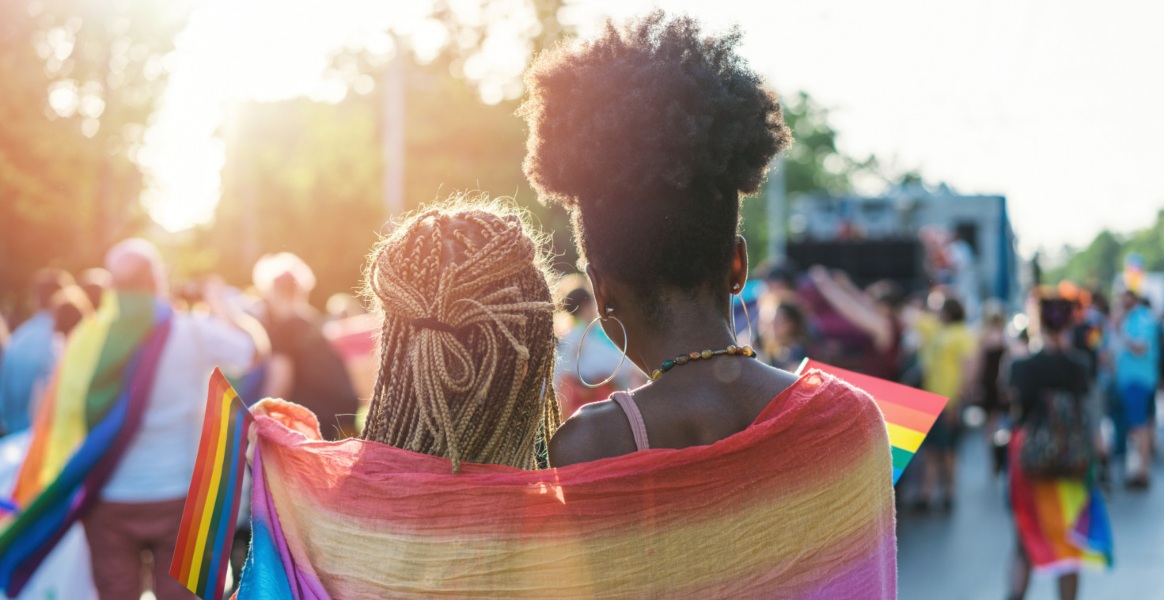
x,y
964,555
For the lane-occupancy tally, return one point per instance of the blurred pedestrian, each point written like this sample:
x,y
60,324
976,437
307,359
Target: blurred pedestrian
x,y
116,436
141,504
70,306
989,392
304,367
1137,355
1060,519
876,315
784,335
946,355
94,282
29,359
598,359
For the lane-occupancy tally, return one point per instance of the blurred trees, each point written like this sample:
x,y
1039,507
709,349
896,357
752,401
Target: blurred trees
x,y
1097,265
78,83
812,164
308,177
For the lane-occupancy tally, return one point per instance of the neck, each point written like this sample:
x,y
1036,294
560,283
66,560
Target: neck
x,y
1054,341
689,328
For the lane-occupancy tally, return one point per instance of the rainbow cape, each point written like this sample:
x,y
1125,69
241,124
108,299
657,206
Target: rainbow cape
x,y
1062,523
798,505
202,552
86,418
909,412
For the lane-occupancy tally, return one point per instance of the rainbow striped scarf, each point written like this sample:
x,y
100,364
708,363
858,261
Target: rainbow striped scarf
x,y
1062,523
799,505
86,419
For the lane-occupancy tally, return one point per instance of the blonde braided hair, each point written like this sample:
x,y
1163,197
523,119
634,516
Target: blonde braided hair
x,y
467,345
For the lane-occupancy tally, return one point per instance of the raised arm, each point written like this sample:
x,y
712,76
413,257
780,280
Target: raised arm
x,y
853,307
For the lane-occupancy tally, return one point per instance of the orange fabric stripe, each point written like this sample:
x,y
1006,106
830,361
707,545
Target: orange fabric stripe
x,y
28,482
906,417
192,515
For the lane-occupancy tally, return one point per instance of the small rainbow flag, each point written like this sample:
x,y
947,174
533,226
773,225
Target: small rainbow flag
x,y
909,412
208,520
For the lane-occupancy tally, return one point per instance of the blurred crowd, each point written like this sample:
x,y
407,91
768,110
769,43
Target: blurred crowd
x,y
269,339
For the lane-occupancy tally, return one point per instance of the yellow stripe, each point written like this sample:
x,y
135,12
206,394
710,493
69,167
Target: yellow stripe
x,y
904,438
364,556
208,506
68,427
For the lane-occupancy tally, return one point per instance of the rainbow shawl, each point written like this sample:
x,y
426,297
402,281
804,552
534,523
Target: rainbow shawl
x,y
1062,523
799,505
86,418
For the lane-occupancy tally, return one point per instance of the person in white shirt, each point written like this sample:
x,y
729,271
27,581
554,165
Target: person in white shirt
x,y
140,509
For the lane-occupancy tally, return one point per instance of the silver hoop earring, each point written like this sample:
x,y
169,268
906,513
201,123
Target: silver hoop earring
x,y
747,318
581,342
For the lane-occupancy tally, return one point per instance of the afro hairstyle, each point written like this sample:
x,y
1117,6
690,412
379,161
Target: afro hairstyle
x,y
649,134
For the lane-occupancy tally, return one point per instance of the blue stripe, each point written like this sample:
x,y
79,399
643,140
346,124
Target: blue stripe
x,y
896,475
42,529
226,520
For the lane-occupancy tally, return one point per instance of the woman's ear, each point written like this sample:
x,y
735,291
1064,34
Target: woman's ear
x,y
739,273
601,293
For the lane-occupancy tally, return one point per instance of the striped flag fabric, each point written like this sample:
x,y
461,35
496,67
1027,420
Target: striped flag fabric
x,y
909,412
202,553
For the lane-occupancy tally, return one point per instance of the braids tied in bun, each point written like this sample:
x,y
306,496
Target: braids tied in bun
x,y
467,344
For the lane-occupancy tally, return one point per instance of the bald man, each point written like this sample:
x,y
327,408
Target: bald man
x,y
140,507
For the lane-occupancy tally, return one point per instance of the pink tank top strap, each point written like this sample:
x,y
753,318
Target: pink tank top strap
x,y
638,428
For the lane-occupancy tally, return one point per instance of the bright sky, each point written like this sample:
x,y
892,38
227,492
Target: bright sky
x,y
1054,103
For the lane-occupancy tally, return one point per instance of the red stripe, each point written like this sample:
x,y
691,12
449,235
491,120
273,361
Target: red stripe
x,y
880,389
203,466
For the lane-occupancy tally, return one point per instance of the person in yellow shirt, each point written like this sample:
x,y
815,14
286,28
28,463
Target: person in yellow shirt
x,y
946,351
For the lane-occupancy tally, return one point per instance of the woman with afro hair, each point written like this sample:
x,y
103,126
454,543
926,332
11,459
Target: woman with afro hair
x,y
649,135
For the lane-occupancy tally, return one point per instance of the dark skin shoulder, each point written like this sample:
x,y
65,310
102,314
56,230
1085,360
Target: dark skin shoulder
x,y
695,405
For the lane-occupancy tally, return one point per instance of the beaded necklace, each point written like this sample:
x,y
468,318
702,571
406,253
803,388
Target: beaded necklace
x,y
682,359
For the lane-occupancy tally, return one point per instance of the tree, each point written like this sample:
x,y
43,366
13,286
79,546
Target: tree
x,y
315,171
1097,265
813,164
78,82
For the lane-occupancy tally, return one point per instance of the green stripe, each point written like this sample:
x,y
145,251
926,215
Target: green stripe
x,y
133,319
901,458
219,499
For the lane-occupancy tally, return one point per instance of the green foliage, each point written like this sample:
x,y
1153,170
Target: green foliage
x,y
813,164
78,82
1097,265
307,177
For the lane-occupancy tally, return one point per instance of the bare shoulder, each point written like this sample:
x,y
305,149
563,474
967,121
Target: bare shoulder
x,y
598,430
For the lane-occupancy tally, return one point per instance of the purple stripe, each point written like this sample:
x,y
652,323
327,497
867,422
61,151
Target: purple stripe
x,y
304,584
874,576
140,378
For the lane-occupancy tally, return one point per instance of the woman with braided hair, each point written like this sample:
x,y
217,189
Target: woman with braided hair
x,y
467,343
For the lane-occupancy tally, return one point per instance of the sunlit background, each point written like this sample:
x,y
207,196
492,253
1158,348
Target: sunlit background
x,y
1051,103
226,129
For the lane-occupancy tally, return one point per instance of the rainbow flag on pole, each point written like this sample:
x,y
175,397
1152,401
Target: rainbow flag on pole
x,y
208,521
909,412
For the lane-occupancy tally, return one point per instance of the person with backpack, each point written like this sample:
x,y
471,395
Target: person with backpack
x,y
1060,519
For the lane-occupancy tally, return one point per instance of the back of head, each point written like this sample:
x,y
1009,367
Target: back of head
x,y
94,282
467,344
283,274
1055,315
135,265
45,284
70,306
649,134
952,311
